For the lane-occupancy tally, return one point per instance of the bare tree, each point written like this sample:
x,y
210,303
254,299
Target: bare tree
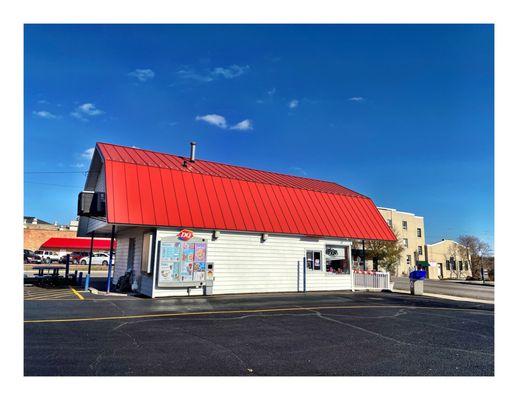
x,y
479,252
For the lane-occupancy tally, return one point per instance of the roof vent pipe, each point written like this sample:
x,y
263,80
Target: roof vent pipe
x,y
193,151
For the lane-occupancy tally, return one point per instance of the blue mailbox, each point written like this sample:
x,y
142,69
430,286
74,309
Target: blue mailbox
x,y
417,275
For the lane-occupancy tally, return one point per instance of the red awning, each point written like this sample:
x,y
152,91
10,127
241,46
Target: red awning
x,y
77,244
157,189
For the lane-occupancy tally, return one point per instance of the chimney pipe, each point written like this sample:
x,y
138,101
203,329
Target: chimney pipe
x,y
193,151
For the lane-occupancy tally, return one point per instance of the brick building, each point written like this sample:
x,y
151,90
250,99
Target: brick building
x,y
36,232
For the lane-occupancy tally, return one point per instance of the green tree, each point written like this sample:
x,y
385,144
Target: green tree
x,y
386,254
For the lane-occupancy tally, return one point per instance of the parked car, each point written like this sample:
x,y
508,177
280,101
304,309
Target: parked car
x,y
28,256
76,256
45,257
97,259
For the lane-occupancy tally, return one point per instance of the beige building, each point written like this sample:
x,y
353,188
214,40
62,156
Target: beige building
x,y
448,259
410,229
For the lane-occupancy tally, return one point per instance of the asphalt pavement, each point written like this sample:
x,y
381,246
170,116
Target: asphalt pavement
x,y
468,289
335,333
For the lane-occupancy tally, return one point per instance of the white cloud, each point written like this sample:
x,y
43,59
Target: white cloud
x,y
293,104
86,110
221,122
233,71
142,75
88,153
299,171
190,74
245,125
230,72
77,165
356,99
213,119
89,109
272,91
45,114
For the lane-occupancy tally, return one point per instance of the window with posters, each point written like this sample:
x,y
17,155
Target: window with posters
x,y
313,260
337,260
182,261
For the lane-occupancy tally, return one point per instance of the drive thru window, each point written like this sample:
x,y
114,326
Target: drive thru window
x,y
313,260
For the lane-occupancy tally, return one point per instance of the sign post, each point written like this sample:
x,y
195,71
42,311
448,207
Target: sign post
x,y
109,280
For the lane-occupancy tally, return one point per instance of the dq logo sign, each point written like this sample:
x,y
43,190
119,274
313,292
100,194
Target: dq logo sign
x,y
331,252
185,235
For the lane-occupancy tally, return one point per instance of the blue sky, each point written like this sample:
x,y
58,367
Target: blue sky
x,y
401,113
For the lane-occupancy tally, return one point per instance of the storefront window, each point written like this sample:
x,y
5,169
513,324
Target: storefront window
x,y
313,260
337,260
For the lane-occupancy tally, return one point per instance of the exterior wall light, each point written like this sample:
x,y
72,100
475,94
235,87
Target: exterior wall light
x,y
215,235
264,237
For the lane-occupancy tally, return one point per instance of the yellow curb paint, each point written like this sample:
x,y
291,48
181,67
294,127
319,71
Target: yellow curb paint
x,y
76,293
251,311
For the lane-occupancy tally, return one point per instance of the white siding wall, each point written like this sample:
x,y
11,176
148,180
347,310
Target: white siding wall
x,y
121,254
244,264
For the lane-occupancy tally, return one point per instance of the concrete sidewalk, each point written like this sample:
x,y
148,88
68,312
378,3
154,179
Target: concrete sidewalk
x,y
456,289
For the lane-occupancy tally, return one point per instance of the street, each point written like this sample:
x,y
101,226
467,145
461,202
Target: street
x,y
468,289
334,333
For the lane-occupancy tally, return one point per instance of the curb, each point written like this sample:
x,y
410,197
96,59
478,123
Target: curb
x,y
447,297
99,292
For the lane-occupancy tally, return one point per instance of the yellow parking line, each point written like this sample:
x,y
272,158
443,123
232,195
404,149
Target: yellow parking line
x,y
76,293
250,311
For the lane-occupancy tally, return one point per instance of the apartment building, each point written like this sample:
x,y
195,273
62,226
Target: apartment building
x,y
410,230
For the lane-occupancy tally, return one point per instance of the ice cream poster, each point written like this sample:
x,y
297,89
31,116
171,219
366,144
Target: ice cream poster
x,y
175,271
165,272
176,252
200,252
187,252
186,271
199,271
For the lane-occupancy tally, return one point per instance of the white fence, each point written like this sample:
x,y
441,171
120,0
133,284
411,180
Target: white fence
x,y
371,280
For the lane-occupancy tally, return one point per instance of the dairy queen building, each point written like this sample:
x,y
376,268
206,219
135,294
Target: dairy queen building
x,y
185,226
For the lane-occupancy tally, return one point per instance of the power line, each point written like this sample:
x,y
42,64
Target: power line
x,y
53,184
55,172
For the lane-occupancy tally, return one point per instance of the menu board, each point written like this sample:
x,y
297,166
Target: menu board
x,y
182,263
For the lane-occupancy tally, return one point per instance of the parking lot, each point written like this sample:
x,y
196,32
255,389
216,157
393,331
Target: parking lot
x,y
33,293
282,334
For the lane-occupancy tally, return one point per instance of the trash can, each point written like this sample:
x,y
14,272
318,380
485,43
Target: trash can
x,y
417,282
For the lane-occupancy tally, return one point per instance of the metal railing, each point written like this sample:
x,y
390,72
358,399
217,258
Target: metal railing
x,y
371,280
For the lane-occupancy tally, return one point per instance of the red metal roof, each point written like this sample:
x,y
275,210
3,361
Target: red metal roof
x,y
149,188
57,243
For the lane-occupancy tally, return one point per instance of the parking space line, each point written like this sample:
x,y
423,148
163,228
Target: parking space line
x,y
50,297
39,293
249,311
76,293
